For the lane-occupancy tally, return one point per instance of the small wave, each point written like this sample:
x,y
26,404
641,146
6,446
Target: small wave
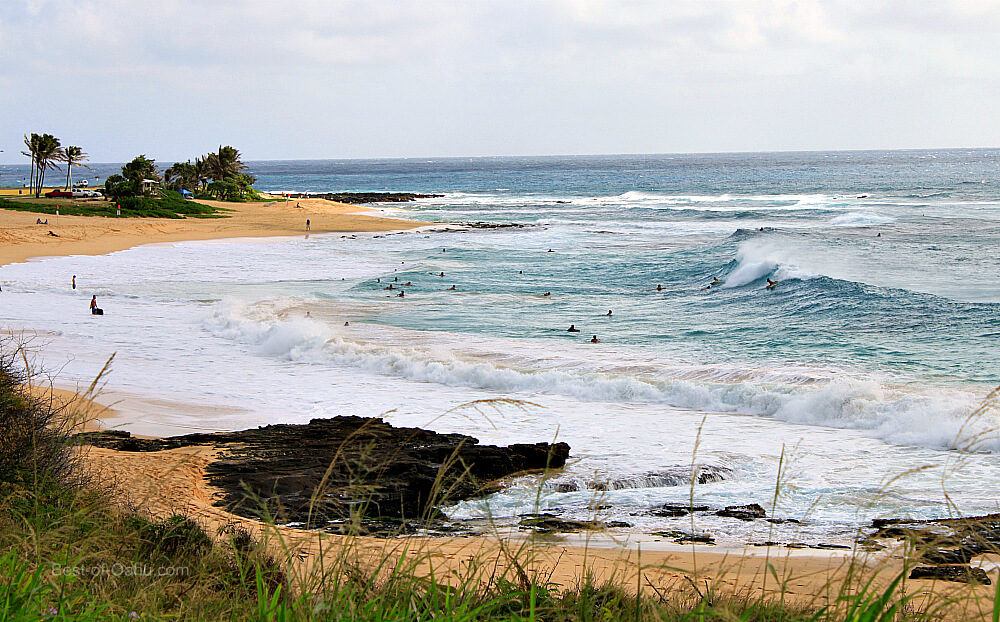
x,y
861,219
665,478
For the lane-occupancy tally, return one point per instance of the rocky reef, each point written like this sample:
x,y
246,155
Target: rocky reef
x,y
359,198
329,470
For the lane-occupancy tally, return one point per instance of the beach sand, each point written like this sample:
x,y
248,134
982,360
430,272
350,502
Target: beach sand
x,y
173,482
170,482
21,238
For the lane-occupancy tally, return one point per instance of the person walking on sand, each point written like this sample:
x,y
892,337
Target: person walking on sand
x,y
308,224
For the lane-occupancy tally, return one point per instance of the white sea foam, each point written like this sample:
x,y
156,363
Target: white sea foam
x,y
824,398
756,259
861,219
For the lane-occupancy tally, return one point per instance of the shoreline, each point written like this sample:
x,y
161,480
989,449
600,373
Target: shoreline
x,y
267,221
21,239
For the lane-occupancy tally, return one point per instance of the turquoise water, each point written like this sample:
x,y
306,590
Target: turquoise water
x,y
865,361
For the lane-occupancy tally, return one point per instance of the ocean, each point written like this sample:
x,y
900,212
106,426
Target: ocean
x,y
853,389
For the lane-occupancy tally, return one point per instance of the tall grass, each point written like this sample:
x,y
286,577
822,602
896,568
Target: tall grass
x,y
69,551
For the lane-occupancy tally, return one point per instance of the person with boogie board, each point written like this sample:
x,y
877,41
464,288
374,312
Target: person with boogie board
x,y
94,309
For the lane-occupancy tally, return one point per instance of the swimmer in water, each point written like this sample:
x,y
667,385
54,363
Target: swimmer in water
x,y
715,281
400,294
442,274
595,340
609,312
551,251
390,286
347,323
547,294
407,283
452,288
572,329
659,288
770,284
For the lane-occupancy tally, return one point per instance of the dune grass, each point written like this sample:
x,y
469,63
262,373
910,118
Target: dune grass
x,y
70,551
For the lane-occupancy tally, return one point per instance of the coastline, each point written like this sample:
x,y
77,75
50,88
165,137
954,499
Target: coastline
x,y
179,478
21,239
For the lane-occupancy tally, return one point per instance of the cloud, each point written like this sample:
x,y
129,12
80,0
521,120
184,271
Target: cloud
x,y
517,76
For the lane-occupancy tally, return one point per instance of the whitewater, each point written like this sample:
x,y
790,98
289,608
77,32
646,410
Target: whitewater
x,y
854,388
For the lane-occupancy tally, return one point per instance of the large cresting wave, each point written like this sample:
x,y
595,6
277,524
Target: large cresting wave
x,y
897,413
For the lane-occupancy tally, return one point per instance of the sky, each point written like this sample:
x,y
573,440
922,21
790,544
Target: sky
x,y
312,79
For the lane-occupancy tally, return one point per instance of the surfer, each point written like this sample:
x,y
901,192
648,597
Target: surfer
x,y
547,294
451,289
572,329
715,281
770,284
609,313
595,340
659,288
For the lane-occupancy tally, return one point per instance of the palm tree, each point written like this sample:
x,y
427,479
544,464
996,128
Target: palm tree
x,y
73,156
225,163
201,171
32,145
44,152
49,152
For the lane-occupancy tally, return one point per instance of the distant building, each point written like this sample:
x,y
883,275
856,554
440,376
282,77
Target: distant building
x,y
149,185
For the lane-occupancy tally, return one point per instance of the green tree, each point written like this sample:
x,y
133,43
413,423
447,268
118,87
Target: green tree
x,y
181,175
73,156
129,183
44,151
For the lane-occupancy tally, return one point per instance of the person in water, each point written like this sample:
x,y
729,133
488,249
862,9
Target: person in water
x,y
715,281
547,294
572,329
93,305
595,340
609,312
400,294
659,288
74,281
770,284
452,288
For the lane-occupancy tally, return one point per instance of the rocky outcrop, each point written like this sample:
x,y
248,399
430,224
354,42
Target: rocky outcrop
x,y
960,574
331,469
359,198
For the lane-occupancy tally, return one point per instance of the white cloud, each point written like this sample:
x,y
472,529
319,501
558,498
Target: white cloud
x,y
519,76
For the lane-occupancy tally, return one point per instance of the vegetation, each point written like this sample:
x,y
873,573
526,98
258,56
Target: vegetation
x,y
73,156
68,551
130,183
167,205
44,151
215,175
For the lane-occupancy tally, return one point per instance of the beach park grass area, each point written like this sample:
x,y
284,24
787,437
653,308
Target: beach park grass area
x,y
71,548
170,205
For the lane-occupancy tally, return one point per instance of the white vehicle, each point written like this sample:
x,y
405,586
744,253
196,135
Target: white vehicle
x,y
83,193
83,183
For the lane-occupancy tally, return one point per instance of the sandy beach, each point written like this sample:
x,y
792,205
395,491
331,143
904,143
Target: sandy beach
x,y
21,238
169,482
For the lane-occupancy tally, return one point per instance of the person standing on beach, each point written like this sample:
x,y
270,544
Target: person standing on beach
x,y
307,224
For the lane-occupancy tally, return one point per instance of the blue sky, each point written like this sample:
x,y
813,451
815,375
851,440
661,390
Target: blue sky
x,y
283,79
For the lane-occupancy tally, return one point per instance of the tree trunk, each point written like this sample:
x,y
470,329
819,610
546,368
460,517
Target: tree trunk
x,y
41,178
